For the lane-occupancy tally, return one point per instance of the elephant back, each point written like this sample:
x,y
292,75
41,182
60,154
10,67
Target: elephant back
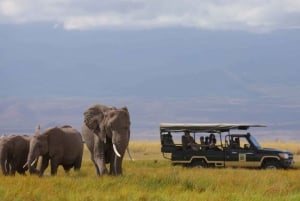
x,y
60,135
72,134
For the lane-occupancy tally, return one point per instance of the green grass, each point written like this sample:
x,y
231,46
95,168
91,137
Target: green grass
x,y
150,177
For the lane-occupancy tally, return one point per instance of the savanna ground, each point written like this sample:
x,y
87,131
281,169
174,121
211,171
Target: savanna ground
x,y
151,177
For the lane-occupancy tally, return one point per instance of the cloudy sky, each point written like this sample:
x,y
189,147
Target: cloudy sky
x,y
168,61
134,14
140,14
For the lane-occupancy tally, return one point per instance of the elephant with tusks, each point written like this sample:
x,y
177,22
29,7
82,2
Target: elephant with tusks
x,y
106,132
59,145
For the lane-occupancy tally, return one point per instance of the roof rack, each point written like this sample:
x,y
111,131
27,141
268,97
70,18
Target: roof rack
x,y
206,127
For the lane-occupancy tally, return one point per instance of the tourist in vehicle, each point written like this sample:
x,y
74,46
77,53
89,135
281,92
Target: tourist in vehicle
x,y
168,139
212,141
188,142
206,140
202,142
236,143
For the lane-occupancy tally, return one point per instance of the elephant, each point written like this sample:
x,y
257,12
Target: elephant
x,y
106,132
59,145
13,154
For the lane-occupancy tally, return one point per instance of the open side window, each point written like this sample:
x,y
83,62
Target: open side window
x,y
168,145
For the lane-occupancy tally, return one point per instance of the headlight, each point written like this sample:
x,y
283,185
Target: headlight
x,y
284,155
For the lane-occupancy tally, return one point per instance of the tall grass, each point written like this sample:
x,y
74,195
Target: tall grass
x,y
150,177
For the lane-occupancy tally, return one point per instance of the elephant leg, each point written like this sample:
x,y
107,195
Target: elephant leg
x,y
11,170
54,166
67,168
112,155
118,165
99,157
21,171
96,167
77,164
4,167
44,165
111,167
8,167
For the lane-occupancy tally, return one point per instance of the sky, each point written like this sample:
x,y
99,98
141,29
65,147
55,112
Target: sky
x,y
203,61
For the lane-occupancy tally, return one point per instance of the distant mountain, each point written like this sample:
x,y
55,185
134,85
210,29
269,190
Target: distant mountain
x,y
19,115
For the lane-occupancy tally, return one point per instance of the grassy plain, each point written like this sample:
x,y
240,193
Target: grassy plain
x,y
150,177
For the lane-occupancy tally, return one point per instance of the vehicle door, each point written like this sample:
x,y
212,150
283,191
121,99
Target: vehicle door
x,y
240,154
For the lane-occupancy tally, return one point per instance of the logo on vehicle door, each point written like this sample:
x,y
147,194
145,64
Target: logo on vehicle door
x,y
242,157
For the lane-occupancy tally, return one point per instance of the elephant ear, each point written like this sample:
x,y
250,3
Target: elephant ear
x,y
126,116
93,117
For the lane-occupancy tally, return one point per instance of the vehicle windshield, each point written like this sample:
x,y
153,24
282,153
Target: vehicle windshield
x,y
254,141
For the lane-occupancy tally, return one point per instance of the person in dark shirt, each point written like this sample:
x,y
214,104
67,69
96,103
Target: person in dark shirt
x,y
212,141
188,142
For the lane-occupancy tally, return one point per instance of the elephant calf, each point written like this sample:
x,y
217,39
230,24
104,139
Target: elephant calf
x,y
59,145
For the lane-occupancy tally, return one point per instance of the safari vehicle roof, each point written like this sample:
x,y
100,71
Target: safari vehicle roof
x,y
205,127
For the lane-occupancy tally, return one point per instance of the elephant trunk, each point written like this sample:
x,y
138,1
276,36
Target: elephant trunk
x,y
119,147
117,167
31,162
32,166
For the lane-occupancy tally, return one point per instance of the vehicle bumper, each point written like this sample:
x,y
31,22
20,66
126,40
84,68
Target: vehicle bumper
x,y
289,163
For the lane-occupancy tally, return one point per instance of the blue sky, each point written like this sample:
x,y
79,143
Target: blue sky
x,y
191,61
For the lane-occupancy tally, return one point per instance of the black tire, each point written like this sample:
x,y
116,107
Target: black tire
x,y
271,164
198,164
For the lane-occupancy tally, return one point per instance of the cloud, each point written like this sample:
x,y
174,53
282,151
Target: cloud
x,y
9,8
131,14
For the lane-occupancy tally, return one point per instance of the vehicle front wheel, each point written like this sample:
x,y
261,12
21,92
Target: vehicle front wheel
x,y
271,164
198,164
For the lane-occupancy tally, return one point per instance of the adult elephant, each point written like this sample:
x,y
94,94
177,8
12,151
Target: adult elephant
x,y
59,145
13,154
106,132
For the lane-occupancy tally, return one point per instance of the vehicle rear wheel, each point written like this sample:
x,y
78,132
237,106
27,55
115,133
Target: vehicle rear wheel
x,y
271,164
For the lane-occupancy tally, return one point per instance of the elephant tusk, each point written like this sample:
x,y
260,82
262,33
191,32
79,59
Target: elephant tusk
x,y
33,162
25,165
116,151
129,154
